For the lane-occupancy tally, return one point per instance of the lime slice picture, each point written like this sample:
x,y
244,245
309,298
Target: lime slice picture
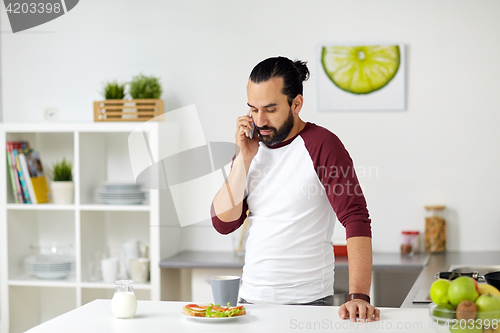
x,y
361,69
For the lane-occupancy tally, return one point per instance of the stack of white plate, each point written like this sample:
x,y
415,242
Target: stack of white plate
x,y
120,194
49,266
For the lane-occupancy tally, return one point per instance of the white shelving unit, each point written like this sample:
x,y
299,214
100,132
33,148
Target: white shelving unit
x,y
99,152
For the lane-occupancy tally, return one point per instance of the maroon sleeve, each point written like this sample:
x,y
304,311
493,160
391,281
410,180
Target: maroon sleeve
x,y
228,227
336,172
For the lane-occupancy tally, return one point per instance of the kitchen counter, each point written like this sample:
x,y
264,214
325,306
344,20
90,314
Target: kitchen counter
x,y
440,262
97,317
206,259
203,259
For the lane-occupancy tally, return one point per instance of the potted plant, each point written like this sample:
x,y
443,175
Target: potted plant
x,y
145,104
114,90
62,186
143,87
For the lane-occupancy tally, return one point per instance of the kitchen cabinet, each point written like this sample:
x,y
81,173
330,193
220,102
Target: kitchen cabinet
x,y
99,153
186,275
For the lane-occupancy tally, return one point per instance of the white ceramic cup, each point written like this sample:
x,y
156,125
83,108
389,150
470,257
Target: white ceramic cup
x,y
109,268
139,270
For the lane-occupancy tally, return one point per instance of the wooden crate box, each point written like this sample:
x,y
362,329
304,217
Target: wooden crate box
x,y
127,110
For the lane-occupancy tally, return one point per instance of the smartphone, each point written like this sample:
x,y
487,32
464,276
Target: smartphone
x,y
252,130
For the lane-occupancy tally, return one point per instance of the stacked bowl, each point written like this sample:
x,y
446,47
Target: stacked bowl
x,y
50,261
49,267
120,194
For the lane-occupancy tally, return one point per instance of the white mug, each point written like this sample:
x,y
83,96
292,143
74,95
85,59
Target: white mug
x,y
139,270
109,268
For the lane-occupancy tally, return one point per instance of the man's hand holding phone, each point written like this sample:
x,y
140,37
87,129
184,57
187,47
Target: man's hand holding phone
x,y
246,138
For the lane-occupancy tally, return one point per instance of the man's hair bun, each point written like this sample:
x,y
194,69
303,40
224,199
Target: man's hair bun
x,y
303,70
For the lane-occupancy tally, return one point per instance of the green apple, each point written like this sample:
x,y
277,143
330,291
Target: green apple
x,y
488,307
439,291
461,289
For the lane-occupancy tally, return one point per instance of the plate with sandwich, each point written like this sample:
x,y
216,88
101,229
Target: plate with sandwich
x,y
213,312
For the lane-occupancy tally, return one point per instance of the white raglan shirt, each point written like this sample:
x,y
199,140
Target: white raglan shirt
x,y
291,191
289,256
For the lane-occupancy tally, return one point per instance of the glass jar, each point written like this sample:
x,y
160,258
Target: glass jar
x,y
435,229
409,242
124,303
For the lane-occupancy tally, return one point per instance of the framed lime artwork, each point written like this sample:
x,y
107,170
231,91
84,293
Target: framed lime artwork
x,y
361,77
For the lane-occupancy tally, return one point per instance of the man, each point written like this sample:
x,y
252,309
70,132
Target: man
x,y
294,178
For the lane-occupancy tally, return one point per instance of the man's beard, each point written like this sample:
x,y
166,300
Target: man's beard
x,y
279,135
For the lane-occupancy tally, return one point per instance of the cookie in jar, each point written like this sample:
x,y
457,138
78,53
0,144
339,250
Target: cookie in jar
x,y
435,229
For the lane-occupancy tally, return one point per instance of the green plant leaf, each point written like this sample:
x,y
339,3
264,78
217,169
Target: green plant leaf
x,y
62,171
114,90
145,87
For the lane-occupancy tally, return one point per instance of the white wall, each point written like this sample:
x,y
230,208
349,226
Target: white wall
x,y
444,149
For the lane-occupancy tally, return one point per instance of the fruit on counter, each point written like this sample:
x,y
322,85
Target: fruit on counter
x,y
488,307
461,289
466,310
445,311
484,288
439,291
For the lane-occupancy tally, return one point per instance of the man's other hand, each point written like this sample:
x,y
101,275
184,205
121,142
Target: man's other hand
x,y
359,308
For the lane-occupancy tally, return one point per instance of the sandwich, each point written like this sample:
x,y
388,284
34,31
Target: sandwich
x,y
213,310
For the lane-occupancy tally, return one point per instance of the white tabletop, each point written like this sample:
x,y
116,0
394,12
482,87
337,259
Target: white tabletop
x,y
151,317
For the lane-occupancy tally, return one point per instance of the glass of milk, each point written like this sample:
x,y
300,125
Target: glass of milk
x,y
124,303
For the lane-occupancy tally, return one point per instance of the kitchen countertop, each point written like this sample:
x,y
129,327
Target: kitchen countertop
x,y
203,259
153,316
206,259
440,262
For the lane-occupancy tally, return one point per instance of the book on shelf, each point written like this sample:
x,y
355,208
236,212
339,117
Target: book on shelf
x,y
27,178
27,174
22,179
37,177
16,187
